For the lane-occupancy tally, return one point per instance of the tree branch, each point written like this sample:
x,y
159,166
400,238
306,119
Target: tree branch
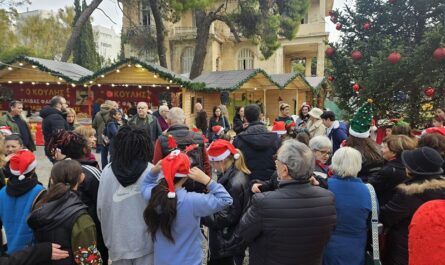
x,y
229,23
100,9
84,16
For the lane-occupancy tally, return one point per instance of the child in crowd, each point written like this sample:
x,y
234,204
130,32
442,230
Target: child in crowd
x,y
173,214
17,198
61,217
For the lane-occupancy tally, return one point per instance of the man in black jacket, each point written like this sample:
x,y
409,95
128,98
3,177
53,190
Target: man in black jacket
x,y
53,119
292,224
146,121
258,145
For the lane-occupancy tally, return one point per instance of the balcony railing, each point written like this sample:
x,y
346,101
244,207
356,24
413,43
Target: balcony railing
x,y
140,30
184,31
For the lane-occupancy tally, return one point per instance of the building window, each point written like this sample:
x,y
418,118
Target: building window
x,y
145,13
187,59
245,59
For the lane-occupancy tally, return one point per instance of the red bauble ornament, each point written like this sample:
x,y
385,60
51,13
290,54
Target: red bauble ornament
x,y
366,26
394,57
439,54
356,87
356,55
429,91
109,94
330,52
338,26
331,78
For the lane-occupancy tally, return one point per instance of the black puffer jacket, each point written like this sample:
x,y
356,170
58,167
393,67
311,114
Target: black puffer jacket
x,y
53,121
397,214
259,147
387,179
222,224
290,225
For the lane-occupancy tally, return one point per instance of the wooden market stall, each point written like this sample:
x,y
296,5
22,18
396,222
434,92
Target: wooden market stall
x,y
241,87
133,81
294,90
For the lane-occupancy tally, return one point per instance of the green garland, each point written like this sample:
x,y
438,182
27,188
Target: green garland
x,y
40,67
158,70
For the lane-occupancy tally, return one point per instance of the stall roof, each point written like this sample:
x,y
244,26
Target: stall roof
x,y
284,80
232,80
70,72
160,71
315,81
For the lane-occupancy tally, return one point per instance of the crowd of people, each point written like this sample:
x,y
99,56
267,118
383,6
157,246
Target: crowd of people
x,y
309,190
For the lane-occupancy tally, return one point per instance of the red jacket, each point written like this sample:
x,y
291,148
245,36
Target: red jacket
x,y
427,233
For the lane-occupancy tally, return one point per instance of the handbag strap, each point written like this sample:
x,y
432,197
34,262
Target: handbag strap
x,y
374,223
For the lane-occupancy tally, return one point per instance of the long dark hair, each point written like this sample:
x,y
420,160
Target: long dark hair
x,y
113,112
214,112
65,175
237,110
131,142
367,147
71,144
161,211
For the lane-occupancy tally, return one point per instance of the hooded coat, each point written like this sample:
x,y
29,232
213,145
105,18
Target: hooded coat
x,y
396,215
316,128
338,133
100,120
65,221
259,147
53,122
8,120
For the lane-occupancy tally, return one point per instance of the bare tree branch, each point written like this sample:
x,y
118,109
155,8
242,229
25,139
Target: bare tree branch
x,y
100,9
84,16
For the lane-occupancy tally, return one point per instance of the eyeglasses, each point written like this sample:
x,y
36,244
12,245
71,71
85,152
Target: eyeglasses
x,y
323,152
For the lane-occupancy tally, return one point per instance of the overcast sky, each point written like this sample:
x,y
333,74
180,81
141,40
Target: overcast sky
x,y
112,10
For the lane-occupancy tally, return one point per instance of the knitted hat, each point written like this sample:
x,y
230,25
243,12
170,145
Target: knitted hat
x,y
217,129
362,121
5,130
220,150
22,163
424,161
279,127
176,164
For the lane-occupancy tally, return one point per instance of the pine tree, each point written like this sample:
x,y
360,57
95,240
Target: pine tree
x,y
84,52
381,30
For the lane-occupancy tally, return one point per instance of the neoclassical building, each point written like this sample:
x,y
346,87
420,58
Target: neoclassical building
x,y
223,53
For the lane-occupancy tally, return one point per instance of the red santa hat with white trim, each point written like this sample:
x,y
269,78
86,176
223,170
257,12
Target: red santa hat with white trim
x,y
175,165
22,163
220,150
217,129
279,127
5,130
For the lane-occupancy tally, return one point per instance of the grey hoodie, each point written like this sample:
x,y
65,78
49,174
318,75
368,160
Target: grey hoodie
x,y
120,211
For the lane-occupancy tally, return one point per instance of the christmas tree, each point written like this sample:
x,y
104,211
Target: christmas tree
x,y
389,49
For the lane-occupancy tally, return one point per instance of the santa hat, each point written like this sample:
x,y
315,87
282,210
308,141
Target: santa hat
x,y
5,130
439,130
22,163
217,129
279,127
194,129
362,121
220,150
290,124
175,165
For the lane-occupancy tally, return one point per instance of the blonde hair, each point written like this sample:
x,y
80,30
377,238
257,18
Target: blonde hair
x,y
85,131
72,111
399,143
240,163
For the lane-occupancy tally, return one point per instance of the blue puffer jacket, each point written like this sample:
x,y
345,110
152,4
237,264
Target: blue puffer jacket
x,y
338,134
259,147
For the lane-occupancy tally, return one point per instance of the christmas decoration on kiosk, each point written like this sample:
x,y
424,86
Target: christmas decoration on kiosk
x,y
366,26
439,54
330,52
356,55
356,87
331,78
338,26
429,91
394,58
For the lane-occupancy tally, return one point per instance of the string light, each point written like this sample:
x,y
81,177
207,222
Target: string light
x,y
129,65
33,83
34,66
84,85
10,68
73,85
47,84
91,81
102,76
118,71
171,81
153,85
126,85
138,66
21,82
155,76
139,86
58,82
21,64
99,85
60,78
9,82
112,85
168,87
